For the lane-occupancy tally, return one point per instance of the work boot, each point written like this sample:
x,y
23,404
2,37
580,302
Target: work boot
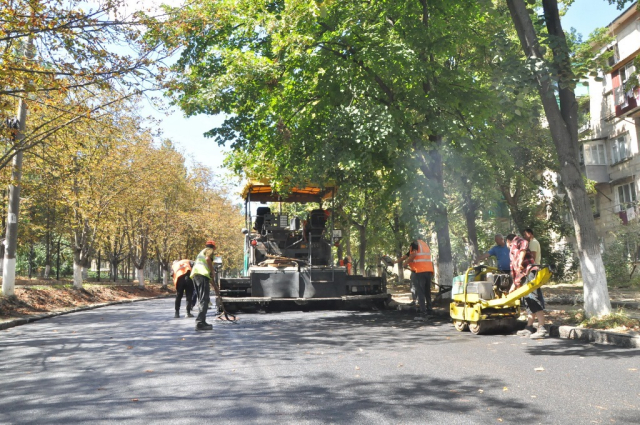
x,y
189,314
203,326
540,333
177,315
527,331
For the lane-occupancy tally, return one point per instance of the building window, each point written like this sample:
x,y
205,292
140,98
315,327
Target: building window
x,y
593,154
623,91
615,55
625,196
619,150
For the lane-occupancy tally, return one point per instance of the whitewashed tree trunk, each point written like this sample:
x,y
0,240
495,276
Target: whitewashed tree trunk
x,y
8,276
165,278
141,278
85,273
77,275
563,125
47,271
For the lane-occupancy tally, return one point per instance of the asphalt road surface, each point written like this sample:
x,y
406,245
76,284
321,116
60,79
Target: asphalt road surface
x,y
134,363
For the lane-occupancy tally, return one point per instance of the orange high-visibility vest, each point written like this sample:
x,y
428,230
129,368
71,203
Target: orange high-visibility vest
x,y
422,261
180,268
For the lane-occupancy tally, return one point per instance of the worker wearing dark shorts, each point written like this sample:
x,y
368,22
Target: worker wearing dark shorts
x,y
180,271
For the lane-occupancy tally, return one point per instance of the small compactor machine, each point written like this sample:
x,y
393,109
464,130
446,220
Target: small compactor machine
x,y
481,301
288,260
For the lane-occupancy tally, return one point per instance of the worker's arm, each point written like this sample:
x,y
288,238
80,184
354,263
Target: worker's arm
x,y
521,256
410,258
483,257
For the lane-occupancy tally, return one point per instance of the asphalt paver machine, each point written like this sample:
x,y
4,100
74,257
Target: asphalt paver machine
x,y
481,301
288,261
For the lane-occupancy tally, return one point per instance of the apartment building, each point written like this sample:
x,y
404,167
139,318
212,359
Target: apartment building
x,y
610,130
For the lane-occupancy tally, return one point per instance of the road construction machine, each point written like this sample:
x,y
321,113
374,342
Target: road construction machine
x,y
481,302
288,260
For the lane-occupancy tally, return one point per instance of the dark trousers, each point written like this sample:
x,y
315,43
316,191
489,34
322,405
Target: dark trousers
x,y
202,288
422,285
185,284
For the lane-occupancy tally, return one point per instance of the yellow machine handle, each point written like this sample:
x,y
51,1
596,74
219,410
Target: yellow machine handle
x,y
543,276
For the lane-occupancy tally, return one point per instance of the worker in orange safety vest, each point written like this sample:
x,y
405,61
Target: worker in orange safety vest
x,y
180,270
419,261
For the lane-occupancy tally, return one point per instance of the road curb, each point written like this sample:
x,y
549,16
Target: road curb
x,y
595,336
24,320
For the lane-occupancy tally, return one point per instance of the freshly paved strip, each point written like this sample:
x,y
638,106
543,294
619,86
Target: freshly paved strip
x,y
134,363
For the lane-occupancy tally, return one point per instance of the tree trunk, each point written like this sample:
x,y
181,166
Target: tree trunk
x,y
140,278
563,126
362,230
47,258
165,278
470,209
432,170
514,209
77,274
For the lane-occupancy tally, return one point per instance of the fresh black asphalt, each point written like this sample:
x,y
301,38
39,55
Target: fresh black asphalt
x,y
134,363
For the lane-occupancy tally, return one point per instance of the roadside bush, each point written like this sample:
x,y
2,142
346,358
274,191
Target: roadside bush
x,y
616,262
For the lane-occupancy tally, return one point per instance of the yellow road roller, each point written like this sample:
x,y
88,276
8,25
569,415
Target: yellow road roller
x,y
481,301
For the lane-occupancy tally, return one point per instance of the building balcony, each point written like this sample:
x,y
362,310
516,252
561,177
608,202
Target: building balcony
x,y
597,173
631,105
627,212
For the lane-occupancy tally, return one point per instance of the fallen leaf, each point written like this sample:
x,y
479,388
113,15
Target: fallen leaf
x,y
182,339
400,365
602,408
233,370
448,338
148,371
129,347
539,369
134,399
633,369
534,396
360,349
100,389
505,389
480,391
357,368
499,419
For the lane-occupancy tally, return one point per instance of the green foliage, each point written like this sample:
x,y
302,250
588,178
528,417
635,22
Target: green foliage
x,y
616,261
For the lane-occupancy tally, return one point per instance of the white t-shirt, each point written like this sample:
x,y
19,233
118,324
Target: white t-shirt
x,y
534,245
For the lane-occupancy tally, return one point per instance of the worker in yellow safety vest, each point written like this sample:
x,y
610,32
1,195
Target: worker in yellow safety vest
x,y
419,261
202,274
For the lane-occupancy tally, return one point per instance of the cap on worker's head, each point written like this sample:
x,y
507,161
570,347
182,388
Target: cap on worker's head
x,y
210,243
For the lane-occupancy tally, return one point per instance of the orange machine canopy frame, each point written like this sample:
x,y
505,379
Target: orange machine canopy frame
x,y
260,191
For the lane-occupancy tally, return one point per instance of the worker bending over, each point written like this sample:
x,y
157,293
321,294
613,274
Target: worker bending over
x,y
180,270
202,275
419,260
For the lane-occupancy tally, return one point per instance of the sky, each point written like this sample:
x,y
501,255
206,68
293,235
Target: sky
x,y
187,133
587,15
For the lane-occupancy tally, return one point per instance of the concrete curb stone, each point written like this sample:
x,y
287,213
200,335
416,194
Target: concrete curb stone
x,y
24,320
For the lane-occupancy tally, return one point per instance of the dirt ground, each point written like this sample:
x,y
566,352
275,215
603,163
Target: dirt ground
x,y
53,296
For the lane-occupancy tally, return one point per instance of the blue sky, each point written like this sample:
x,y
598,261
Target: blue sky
x,y
584,16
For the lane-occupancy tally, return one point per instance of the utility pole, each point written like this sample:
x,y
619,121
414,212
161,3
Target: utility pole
x,y
11,240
